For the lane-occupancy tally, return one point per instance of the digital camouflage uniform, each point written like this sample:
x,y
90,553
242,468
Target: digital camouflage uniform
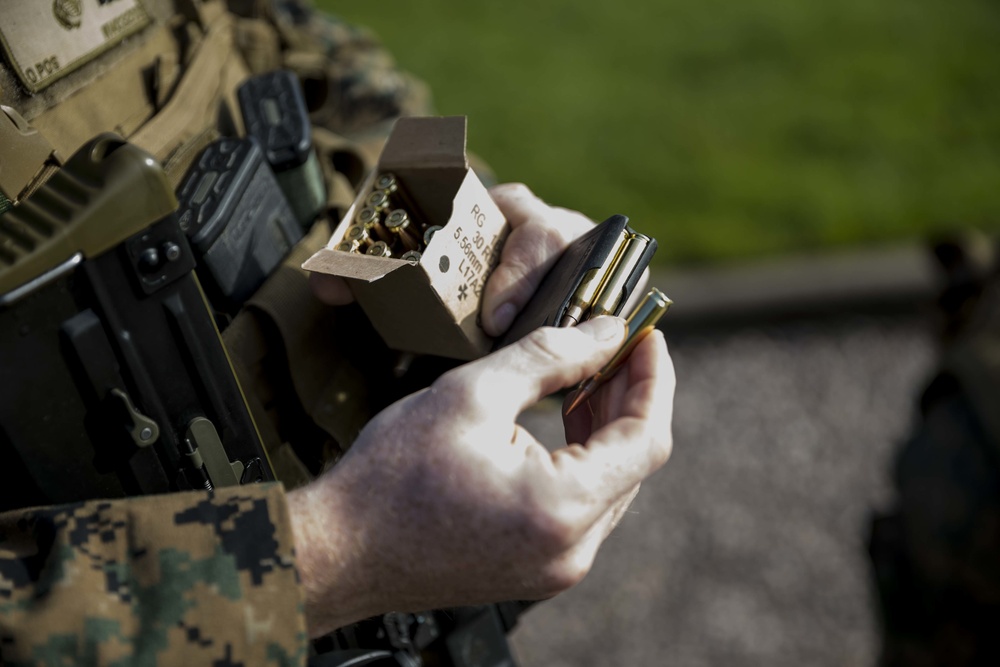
x,y
160,580
196,577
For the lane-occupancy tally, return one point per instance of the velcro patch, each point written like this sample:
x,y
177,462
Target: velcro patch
x,y
45,40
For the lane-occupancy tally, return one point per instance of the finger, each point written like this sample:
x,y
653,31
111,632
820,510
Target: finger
x,y
539,234
577,425
607,402
331,290
622,453
603,407
500,386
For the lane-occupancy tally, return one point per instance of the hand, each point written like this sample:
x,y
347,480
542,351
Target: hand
x,y
539,233
331,290
444,500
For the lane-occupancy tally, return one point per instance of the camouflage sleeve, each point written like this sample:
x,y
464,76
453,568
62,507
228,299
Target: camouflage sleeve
x,y
202,578
352,84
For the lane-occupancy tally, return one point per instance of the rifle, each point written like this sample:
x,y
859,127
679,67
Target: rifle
x,y
117,380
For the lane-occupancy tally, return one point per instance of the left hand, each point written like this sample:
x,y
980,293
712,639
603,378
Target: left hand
x,y
539,234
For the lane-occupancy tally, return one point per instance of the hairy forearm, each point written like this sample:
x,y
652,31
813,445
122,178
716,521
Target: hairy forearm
x,y
329,555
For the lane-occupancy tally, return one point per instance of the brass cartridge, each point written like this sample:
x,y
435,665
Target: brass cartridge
x,y
368,218
358,235
387,183
398,222
411,256
347,246
591,285
378,200
610,294
639,324
379,249
429,234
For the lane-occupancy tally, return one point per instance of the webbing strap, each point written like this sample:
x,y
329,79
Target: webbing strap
x,y
212,76
24,154
283,319
330,388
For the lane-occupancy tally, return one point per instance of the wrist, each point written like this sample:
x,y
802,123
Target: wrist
x,y
329,554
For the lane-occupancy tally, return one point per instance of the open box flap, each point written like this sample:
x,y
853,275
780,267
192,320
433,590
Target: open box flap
x,y
351,265
428,156
428,142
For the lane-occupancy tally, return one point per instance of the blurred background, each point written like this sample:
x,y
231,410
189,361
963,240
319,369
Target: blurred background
x,y
792,159
727,129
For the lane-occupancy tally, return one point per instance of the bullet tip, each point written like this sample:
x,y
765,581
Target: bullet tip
x,y
582,394
577,400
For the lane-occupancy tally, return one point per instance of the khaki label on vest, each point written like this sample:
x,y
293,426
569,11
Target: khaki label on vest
x,y
45,40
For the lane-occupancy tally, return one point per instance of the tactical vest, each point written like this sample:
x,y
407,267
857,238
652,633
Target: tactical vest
x,y
163,75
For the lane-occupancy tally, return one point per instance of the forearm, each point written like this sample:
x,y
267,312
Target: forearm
x,y
329,554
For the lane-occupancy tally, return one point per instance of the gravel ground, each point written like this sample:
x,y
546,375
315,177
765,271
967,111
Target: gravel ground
x,y
749,548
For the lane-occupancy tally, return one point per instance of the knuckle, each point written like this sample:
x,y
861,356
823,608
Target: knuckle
x,y
661,448
567,572
465,390
453,388
576,223
552,238
512,269
543,345
515,190
551,529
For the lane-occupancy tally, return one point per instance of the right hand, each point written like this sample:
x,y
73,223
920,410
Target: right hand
x,y
444,500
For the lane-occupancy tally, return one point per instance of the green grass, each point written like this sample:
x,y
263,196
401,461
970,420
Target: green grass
x,y
725,128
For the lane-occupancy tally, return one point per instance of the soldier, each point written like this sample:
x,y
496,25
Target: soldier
x,y
935,554
245,575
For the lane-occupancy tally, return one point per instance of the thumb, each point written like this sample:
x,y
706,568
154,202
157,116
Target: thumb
x,y
331,290
541,363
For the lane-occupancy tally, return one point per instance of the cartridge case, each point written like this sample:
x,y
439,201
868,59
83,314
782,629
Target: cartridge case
x,y
640,323
378,200
387,183
398,222
411,256
610,297
370,219
359,235
367,217
379,249
591,285
429,234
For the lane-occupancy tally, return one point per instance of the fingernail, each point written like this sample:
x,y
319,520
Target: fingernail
x,y
603,328
504,315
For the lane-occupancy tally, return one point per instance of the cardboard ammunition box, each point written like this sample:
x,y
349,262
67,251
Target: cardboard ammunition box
x,y
431,307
